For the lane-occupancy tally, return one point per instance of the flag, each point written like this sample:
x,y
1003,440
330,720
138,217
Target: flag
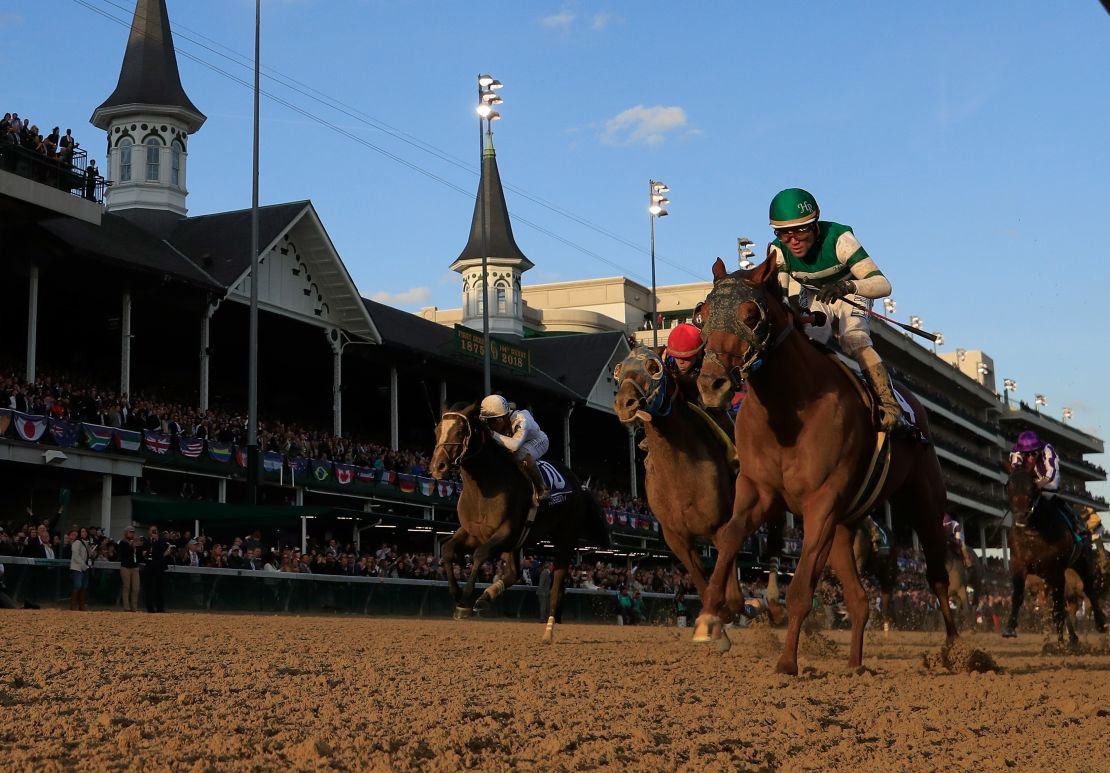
x,y
299,466
622,519
219,452
96,437
406,482
365,474
427,486
445,488
654,525
387,477
156,442
458,487
609,517
30,428
241,456
191,447
272,461
344,473
5,420
64,433
127,440
321,470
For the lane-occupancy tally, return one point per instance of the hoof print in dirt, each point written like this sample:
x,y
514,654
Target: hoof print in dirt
x,y
818,645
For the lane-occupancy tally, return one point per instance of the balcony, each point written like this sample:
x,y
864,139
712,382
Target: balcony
x,y
1081,468
1022,416
70,176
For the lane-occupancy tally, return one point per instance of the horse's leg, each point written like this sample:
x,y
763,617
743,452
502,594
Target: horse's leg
x,y
1088,573
448,558
1017,597
1055,583
930,532
842,560
465,605
687,552
816,544
562,565
503,582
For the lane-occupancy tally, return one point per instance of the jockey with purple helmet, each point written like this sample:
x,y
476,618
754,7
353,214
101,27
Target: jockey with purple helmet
x,y
1045,466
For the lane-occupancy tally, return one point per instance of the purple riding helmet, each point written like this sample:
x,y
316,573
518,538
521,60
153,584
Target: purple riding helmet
x,y
1027,443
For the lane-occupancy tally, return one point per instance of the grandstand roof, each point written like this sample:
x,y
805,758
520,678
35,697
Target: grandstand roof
x,y
119,241
576,361
149,75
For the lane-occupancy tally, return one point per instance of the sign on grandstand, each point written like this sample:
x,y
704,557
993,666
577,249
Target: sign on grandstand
x,y
501,353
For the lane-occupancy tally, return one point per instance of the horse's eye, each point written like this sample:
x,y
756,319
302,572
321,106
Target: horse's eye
x,y
699,314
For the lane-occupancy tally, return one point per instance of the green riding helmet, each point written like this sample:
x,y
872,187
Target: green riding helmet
x,y
793,207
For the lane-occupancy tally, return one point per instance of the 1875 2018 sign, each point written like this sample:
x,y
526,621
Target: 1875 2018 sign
x,y
501,353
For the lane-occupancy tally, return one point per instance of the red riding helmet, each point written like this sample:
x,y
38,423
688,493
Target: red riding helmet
x,y
684,342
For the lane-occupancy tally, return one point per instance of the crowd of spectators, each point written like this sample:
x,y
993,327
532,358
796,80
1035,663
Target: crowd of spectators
x,y
20,131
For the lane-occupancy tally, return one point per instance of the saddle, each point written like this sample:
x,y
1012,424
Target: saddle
x,y
871,400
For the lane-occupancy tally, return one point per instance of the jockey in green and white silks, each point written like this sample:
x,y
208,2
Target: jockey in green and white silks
x,y
819,263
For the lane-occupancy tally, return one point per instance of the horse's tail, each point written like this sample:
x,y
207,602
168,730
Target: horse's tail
x,y
595,529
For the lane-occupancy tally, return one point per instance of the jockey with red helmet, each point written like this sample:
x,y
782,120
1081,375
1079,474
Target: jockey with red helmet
x,y
1045,465
684,350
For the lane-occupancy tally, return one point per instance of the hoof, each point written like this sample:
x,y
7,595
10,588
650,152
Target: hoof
x,y
704,628
786,666
1009,633
723,644
462,613
549,631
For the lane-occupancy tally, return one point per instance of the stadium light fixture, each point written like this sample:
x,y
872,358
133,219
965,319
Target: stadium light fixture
x,y
656,200
1040,401
484,81
890,306
1067,414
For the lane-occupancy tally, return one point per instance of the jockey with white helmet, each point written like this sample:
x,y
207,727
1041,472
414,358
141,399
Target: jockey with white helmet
x,y
517,430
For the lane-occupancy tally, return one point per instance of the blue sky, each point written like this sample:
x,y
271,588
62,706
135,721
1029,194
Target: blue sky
x,y
964,142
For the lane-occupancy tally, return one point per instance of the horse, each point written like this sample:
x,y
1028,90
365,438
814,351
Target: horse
x,y
806,440
1042,544
960,578
495,512
690,469
878,560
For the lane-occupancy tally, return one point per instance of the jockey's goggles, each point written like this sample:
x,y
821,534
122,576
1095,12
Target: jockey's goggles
x,y
793,233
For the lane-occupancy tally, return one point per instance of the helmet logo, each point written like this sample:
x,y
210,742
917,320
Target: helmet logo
x,y
805,207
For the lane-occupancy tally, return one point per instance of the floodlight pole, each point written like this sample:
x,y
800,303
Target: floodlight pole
x,y
252,370
486,378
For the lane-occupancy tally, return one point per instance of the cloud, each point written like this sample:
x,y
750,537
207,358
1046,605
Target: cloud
x,y
410,297
648,125
558,21
604,19
9,19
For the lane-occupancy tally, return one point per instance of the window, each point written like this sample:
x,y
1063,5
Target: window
x,y
480,300
153,149
175,165
502,301
125,159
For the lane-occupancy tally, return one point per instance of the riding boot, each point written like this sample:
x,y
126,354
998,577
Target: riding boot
x,y
540,492
891,419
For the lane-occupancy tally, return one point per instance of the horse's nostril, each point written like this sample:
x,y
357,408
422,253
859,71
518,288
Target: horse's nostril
x,y
718,384
630,402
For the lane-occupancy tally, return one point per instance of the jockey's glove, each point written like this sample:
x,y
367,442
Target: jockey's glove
x,y
837,290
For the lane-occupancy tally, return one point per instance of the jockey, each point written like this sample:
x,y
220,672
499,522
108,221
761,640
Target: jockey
x,y
1094,523
1046,476
955,534
821,262
519,433
684,350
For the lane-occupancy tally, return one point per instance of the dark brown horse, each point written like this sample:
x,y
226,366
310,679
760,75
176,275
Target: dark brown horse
x,y
1041,544
689,477
876,556
960,578
494,507
806,440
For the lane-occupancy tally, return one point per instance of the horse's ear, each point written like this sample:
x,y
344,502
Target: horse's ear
x,y
765,272
617,372
719,270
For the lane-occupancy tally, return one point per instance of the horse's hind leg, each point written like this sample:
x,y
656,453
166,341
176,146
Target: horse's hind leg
x,y
448,558
928,523
563,552
1017,598
1088,573
502,583
842,560
465,604
1055,583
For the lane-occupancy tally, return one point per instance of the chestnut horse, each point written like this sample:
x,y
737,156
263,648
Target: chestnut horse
x,y
1041,544
493,512
806,440
683,446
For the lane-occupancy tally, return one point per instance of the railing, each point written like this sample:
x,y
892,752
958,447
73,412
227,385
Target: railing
x,y
47,582
70,175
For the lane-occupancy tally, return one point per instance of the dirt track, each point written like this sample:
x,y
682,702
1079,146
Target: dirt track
x,y
111,690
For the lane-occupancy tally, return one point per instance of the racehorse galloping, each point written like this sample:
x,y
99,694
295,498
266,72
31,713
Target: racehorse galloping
x,y
1041,544
876,556
689,477
806,440
960,578
493,512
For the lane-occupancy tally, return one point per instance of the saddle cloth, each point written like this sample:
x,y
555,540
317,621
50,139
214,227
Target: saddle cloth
x,y
557,483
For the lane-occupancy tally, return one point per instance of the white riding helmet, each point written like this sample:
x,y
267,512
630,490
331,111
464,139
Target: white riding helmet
x,y
494,406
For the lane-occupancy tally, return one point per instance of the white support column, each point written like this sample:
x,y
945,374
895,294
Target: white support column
x,y
394,418
632,462
106,504
442,394
32,321
790,519
982,542
304,534
566,434
357,537
205,345
125,345
298,497
221,491
337,390
916,542
1005,547
196,528
889,516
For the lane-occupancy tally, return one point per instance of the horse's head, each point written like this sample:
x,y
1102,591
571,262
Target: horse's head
x,y
644,388
741,319
1021,492
459,435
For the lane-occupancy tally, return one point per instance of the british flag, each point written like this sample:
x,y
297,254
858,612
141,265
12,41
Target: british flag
x,y
156,442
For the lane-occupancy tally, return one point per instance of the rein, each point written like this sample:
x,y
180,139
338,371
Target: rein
x,y
463,444
726,295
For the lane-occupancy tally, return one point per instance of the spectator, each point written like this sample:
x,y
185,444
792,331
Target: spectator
x,y
128,570
81,558
543,591
158,552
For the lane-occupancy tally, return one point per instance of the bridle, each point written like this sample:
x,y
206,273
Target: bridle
x,y
658,399
725,297
1034,500
463,444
